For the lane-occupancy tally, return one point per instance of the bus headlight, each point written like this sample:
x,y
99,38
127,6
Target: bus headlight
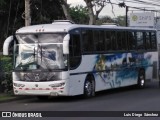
x,y
18,85
57,85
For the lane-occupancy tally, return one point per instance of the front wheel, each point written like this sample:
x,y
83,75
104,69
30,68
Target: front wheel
x,y
89,88
141,79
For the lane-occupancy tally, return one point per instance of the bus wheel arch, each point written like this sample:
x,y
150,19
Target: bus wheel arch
x,y
141,78
89,86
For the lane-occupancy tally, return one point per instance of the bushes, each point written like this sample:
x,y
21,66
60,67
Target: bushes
x,y
6,74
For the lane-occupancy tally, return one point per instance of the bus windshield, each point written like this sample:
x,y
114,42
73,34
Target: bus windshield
x,y
40,54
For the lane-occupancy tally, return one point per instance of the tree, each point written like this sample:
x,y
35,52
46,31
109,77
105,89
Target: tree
x,y
94,8
45,11
104,19
2,2
90,11
12,15
10,18
79,14
65,7
120,20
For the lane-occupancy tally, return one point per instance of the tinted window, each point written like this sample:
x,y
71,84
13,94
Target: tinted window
x,y
121,40
88,43
108,42
113,40
147,36
153,40
74,50
96,40
101,41
131,40
140,41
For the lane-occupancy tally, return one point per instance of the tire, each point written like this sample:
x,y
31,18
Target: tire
x,y
42,97
141,79
89,88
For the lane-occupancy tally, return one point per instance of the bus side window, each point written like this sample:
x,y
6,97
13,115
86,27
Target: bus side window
x,y
74,51
132,40
121,40
140,41
96,40
108,44
153,40
88,40
113,40
147,36
101,41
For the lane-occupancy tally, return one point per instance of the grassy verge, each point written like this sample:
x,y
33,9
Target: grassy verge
x,y
5,97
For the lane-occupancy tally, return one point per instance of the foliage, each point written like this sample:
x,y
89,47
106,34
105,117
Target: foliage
x,y
2,2
98,6
12,15
45,11
104,19
6,74
120,20
79,14
94,8
4,97
65,8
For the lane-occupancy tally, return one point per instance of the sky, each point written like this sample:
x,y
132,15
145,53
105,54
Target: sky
x,y
107,11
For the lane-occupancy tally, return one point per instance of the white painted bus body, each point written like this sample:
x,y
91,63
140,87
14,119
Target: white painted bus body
x,y
72,81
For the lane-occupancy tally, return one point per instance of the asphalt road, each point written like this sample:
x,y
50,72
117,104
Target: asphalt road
x,y
124,100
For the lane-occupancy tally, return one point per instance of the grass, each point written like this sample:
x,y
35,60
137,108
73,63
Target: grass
x,y
4,97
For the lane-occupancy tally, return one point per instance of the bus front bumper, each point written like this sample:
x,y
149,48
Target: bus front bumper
x,y
57,88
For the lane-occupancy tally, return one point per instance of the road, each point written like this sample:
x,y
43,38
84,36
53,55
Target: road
x,y
124,99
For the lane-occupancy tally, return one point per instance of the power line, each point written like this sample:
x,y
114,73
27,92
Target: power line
x,y
135,7
140,8
150,3
156,1
146,1
143,2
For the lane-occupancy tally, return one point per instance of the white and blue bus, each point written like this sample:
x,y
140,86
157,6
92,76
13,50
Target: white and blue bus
x,y
64,59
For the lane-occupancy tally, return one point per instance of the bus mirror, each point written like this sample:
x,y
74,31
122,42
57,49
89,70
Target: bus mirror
x,y
66,44
6,45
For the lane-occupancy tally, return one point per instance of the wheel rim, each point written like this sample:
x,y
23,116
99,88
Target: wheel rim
x,y
88,88
142,80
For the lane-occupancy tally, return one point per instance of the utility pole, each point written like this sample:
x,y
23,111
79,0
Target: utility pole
x,y
125,6
126,16
27,13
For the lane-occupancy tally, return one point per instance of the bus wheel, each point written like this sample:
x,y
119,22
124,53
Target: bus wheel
x,y
42,97
141,79
89,88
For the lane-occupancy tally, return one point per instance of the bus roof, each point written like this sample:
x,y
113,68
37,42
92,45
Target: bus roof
x,y
49,28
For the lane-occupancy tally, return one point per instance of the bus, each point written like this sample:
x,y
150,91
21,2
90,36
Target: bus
x,y
66,59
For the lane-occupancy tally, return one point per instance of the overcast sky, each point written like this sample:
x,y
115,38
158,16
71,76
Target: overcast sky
x,y
107,11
